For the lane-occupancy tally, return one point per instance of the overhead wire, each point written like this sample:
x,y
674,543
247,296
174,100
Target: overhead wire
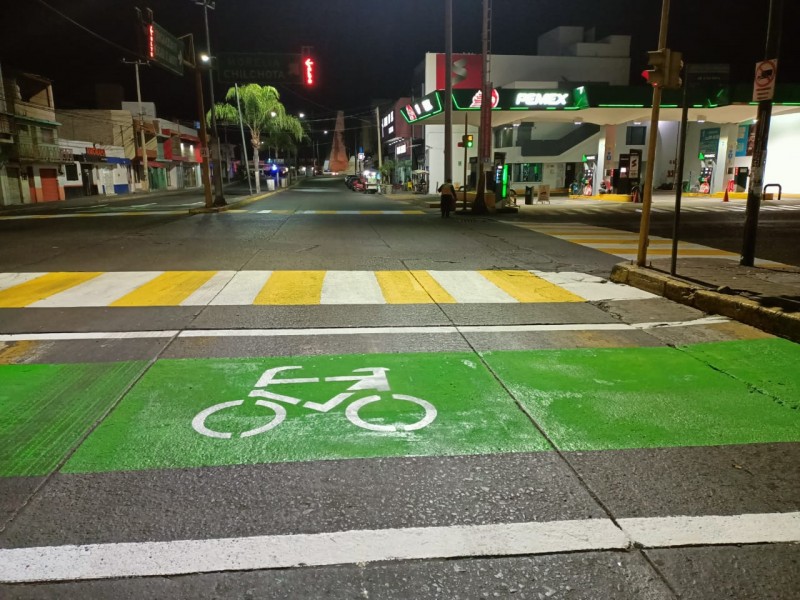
x,y
87,30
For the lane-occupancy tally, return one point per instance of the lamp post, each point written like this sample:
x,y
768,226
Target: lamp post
x,y
219,197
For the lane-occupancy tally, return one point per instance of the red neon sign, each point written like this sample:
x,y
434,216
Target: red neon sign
x,y
309,71
151,40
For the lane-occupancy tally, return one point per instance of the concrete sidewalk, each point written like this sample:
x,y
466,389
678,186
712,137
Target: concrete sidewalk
x,y
766,296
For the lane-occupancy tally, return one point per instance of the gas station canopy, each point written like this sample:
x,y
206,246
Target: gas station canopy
x,y
601,105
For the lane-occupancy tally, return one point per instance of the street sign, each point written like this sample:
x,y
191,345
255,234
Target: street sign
x,y
270,69
160,45
764,85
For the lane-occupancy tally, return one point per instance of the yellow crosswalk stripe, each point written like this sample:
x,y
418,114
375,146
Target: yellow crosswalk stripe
x,y
42,287
168,289
526,287
292,288
411,287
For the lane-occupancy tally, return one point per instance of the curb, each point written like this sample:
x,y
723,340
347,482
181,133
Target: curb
x,y
745,310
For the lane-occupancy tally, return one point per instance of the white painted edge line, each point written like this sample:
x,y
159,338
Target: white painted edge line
x,y
87,335
140,559
449,329
100,561
665,532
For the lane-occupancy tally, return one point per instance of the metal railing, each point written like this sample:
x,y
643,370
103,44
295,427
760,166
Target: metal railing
x,y
31,151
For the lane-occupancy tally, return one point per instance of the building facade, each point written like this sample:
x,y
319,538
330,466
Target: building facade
x,y
30,157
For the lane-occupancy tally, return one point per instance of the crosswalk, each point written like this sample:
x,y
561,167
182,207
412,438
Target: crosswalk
x,y
284,288
623,244
593,207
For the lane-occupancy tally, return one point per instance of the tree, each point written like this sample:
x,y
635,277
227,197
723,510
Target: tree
x,y
387,168
263,114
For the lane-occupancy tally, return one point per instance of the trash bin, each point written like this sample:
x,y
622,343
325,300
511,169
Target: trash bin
x,y
270,185
528,194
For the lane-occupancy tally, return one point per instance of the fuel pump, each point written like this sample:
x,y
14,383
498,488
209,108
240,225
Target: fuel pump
x,y
707,164
587,177
500,179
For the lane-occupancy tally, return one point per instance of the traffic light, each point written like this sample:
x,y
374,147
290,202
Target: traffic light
x,y
674,71
659,61
466,140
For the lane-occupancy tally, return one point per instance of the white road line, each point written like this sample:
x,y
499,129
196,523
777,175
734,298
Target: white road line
x,y
209,290
8,280
101,561
100,291
87,335
470,287
351,287
142,559
319,331
242,289
666,532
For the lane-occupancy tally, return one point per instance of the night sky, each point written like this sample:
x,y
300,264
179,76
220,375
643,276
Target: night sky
x,y
366,49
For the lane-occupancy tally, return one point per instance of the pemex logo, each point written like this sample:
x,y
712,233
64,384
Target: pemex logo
x,y
478,98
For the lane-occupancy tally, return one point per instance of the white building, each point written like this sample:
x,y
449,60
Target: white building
x,y
568,57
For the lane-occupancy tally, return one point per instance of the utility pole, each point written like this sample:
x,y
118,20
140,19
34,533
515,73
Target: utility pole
x,y
145,178
644,227
448,91
485,131
219,196
756,190
378,129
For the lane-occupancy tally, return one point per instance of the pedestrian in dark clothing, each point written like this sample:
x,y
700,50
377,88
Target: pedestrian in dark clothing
x,y
447,198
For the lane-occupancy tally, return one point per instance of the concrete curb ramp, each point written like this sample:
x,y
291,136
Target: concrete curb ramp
x,y
745,310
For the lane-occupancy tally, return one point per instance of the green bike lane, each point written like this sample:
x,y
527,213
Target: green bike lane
x,y
539,435
586,399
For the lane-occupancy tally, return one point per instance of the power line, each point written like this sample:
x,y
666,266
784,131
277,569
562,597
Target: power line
x,y
87,30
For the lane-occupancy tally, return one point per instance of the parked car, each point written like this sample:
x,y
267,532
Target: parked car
x,y
349,179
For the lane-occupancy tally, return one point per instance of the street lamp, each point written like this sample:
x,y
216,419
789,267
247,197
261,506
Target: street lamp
x,y
219,197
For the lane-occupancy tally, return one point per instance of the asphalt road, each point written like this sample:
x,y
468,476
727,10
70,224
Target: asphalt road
x,y
323,394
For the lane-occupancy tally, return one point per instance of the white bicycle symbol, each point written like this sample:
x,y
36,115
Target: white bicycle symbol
x,y
374,378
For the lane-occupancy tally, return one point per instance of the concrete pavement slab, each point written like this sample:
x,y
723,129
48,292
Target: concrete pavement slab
x,y
306,497
757,571
31,320
719,480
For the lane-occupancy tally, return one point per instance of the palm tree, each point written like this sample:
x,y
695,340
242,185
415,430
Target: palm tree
x,y
262,113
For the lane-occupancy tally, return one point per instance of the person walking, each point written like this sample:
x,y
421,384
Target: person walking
x,y
447,198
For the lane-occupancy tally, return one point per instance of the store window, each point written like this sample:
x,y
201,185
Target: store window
x,y
527,172
636,135
71,171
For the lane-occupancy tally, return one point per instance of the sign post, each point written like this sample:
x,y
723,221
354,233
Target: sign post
x,y
765,80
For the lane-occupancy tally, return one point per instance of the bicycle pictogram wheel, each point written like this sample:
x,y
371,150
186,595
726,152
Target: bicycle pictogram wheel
x,y
199,422
355,418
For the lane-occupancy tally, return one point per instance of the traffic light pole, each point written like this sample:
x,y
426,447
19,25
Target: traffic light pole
x,y
647,202
756,189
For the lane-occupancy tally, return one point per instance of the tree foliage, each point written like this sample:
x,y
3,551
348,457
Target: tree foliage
x,y
265,118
